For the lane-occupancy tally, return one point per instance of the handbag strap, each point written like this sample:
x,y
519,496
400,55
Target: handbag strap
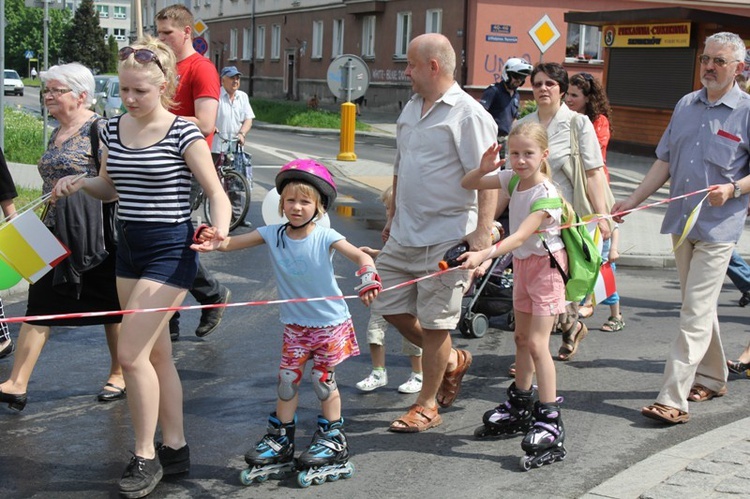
x,y
574,147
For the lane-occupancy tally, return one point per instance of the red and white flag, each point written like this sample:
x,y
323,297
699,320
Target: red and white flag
x,y
605,284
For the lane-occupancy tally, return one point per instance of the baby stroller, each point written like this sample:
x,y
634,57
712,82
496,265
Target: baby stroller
x,y
492,296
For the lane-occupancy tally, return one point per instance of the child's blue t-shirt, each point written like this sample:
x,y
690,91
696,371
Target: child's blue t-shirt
x,y
304,269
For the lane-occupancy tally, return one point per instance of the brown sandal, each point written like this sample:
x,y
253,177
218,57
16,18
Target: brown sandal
x,y
570,342
451,384
416,419
699,393
665,413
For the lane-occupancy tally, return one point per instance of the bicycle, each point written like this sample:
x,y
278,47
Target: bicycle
x,y
234,169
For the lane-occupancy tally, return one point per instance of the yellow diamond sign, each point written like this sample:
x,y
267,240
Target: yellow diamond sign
x,y
199,27
544,33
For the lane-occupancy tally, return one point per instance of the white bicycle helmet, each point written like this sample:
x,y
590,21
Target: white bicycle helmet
x,y
517,67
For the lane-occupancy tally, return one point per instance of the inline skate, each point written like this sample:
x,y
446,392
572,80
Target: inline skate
x,y
543,444
273,455
512,416
327,458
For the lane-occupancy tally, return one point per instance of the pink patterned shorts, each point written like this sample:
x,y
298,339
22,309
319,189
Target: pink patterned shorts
x,y
328,346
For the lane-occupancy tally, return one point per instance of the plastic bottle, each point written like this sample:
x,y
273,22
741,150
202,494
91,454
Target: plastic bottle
x,y
450,257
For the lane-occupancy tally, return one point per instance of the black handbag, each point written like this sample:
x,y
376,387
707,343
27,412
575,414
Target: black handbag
x,y
109,210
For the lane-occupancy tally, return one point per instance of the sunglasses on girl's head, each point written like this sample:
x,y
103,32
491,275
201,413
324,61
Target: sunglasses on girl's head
x,y
143,56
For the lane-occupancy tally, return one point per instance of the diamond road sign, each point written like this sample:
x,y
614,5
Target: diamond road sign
x,y
544,33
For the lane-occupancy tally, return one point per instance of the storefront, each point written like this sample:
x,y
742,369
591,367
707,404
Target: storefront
x,y
650,61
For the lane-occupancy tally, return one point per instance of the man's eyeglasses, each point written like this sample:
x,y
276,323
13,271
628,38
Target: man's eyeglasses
x,y
55,92
546,84
143,56
719,62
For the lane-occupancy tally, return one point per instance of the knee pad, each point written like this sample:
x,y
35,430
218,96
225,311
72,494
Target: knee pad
x,y
323,381
288,383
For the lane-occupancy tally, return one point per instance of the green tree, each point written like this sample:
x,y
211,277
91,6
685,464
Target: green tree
x,y
113,50
24,31
84,40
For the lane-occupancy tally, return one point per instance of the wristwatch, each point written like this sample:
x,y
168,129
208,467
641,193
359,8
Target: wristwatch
x,y
737,190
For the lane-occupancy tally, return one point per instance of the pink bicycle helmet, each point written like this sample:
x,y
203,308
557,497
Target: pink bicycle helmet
x,y
311,172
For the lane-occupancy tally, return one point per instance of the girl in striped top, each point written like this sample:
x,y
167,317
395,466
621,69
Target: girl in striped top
x,y
149,157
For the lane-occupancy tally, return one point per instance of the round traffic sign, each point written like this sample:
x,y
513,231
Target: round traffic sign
x,y
348,73
200,45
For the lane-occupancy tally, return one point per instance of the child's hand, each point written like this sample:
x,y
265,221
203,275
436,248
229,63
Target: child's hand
x,y
370,284
472,260
372,252
207,239
491,160
613,255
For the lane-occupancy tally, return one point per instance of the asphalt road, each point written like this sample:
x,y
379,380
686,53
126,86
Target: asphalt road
x,y
65,444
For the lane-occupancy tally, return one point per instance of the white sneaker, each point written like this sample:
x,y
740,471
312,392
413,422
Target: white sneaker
x,y
376,379
412,385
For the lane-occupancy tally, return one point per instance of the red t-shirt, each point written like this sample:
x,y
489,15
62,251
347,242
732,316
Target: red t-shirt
x,y
198,78
601,126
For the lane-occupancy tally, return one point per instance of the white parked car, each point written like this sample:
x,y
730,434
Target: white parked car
x,y
12,83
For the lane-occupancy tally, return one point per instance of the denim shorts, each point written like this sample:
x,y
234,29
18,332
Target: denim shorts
x,y
158,252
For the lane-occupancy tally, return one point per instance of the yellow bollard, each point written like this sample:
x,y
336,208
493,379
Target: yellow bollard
x,y
348,117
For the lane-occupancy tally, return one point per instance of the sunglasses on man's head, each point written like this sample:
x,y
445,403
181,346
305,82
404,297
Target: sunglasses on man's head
x,y
142,56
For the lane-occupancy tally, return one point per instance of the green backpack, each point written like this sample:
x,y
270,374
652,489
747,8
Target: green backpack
x,y
584,259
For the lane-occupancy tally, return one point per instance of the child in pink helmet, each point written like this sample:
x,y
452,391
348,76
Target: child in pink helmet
x,y
301,253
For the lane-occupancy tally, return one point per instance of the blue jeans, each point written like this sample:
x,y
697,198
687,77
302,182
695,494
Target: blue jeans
x,y
739,272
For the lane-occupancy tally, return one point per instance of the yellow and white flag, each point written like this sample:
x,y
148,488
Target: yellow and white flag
x,y
690,223
29,247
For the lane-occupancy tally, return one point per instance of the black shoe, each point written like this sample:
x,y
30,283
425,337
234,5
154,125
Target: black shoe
x,y
111,395
744,299
174,461
737,367
9,348
174,328
15,402
211,317
140,477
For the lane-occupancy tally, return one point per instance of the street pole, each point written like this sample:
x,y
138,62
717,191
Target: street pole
x,y
45,115
138,19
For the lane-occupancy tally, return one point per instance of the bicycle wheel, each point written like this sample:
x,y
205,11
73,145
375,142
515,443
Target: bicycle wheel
x,y
238,191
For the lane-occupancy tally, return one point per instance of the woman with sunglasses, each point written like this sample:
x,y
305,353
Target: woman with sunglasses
x,y
83,282
149,158
549,82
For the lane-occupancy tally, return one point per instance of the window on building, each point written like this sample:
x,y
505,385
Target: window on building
x,y
368,36
276,41
233,44
584,42
247,43
403,33
120,34
260,43
103,10
317,40
120,12
434,21
338,37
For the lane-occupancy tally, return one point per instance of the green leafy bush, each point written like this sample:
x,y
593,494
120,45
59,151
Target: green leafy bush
x,y
298,114
23,137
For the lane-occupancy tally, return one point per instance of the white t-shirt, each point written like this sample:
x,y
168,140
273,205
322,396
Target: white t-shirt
x,y
520,208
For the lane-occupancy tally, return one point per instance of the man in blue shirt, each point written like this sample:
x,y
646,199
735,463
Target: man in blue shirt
x,y
705,144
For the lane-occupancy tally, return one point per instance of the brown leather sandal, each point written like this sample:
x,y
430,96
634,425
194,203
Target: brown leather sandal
x,y
570,341
451,384
699,393
665,413
416,419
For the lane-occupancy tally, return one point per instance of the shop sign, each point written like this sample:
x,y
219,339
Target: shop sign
x,y
647,35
